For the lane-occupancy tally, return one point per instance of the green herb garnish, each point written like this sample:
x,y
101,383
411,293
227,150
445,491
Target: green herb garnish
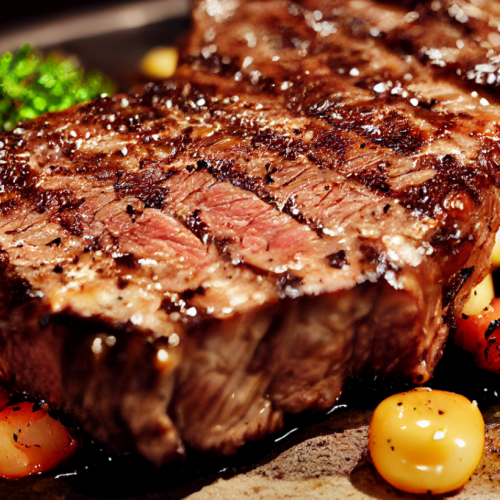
x,y
32,84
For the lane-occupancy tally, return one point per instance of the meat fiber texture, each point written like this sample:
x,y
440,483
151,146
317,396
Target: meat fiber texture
x,y
302,203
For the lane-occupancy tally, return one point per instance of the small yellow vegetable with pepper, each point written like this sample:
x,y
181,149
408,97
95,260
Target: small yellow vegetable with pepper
x,y
425,441
480,297
495,255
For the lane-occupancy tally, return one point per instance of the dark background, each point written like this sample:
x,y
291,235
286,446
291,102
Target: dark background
x,y
14,12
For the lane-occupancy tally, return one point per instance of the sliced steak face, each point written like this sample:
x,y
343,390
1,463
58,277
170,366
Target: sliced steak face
x,y
189,263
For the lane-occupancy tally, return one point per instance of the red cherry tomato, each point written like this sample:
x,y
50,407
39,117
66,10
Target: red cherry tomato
x,y
480,335
31,442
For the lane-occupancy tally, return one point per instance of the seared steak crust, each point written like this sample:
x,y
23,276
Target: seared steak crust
x,y
188,263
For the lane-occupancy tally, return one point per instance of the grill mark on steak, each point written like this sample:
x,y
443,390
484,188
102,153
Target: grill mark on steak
x,y
389,130
198,227
338,260
145,185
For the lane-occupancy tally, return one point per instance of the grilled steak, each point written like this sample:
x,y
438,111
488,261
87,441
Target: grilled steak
x,y
300,204
458,37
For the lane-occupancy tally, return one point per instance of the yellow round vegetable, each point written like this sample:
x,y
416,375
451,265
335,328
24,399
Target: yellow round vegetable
x,y
480,297
425,441
160,62
495,254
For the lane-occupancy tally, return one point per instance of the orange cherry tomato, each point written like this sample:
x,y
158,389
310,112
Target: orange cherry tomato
x,y
480,335
31,442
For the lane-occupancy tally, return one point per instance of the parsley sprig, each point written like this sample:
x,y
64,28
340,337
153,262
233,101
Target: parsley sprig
x,y
32,84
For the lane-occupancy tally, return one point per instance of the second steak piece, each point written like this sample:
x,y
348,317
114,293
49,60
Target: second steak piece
x,y
202,257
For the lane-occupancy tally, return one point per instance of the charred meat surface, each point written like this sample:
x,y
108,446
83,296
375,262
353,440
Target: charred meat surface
x,y
188,263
